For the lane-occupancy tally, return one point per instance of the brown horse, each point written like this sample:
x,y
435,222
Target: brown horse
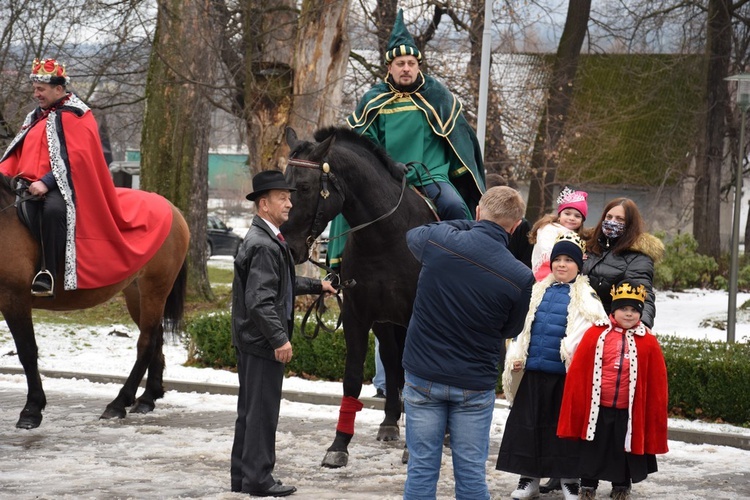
x,y
154,296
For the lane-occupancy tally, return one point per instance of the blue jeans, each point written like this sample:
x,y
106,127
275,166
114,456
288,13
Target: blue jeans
x,y
431,408
449,203
379,379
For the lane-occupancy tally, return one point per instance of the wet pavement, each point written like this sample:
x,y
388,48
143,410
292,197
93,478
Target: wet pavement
x,y
182,451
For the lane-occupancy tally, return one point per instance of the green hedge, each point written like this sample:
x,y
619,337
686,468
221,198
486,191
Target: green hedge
x,y
707,380
210,345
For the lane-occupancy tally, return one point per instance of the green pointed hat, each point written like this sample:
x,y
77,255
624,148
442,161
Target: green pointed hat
x,y
401,42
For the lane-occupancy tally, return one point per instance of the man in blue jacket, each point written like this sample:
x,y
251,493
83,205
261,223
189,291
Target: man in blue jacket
x,y
472,294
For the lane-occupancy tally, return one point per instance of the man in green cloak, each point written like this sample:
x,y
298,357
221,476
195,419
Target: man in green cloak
x,y
417,119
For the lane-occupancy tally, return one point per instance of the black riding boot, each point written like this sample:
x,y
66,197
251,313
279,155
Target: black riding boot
x,y
53,235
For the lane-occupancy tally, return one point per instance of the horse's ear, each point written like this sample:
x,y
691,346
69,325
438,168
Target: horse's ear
x,y
291,138
321,150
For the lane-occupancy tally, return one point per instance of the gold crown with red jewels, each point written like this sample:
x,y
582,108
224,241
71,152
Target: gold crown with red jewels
x,y
49,71
627,291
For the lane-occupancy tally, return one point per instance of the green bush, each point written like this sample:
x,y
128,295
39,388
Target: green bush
x,y
708,379
682,267
210,345
721,281
210,340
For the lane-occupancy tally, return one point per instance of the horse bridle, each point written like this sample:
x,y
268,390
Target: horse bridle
x,y
317,227
325,175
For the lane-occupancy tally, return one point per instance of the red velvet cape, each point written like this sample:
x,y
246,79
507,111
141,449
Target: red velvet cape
x,y
649,411
116,231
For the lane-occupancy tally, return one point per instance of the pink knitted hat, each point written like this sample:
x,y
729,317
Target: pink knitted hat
x,y
573,199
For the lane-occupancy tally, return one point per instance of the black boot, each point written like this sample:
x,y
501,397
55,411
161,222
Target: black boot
x,y
551,485
43,284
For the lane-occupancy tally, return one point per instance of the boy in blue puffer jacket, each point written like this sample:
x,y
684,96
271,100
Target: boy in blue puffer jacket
x,y
563,306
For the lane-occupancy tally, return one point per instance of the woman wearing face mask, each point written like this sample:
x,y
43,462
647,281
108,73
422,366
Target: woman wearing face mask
x,y
620,249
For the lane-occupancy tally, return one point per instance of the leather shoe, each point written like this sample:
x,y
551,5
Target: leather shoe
x,y
277,490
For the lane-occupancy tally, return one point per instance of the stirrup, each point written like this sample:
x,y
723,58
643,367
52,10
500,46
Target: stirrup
x,y
40,292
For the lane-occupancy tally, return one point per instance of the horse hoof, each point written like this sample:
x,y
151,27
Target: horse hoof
x,y
405,456
335,459
140,407
112,413
388,433
27,420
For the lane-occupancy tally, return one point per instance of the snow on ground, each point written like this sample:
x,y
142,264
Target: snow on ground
x,y
95,350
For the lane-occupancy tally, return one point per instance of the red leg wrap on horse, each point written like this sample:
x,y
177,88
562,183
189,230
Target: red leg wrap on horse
x,y
348,410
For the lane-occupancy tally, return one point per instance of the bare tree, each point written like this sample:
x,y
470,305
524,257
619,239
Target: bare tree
x,y
320,61
545,159
711,149
104,46
174,145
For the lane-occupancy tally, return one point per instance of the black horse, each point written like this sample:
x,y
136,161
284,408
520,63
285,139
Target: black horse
x,y
345,173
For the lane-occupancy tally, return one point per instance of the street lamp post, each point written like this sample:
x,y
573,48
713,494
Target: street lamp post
x,y
743,102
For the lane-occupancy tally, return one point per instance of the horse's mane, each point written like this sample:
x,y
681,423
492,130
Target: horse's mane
x,y
6,182
346,134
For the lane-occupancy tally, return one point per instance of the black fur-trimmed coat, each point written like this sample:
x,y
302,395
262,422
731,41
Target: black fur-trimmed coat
x,y
636,263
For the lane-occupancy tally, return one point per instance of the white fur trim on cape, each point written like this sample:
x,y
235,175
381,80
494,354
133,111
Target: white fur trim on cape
x,y
596,383
60,171
584,310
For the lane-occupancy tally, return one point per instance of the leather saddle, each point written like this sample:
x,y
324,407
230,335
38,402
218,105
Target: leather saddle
x,y
20,187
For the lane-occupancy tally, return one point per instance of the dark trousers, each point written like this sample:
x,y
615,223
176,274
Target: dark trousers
x,y
51,212
258,403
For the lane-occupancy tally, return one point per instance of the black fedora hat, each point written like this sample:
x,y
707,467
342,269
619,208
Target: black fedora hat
x,y
266,181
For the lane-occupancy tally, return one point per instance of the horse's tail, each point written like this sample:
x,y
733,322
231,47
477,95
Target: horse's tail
x,y
175,305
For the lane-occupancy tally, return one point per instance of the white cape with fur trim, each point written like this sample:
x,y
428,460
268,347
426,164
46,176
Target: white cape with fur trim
x,y
585,309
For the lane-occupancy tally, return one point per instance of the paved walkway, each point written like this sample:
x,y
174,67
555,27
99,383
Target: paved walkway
x,y
183,452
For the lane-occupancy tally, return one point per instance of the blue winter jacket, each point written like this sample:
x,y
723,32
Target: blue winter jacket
x,y
548,330
472,293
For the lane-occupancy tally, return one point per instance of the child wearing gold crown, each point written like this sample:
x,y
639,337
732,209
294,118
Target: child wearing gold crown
x,y
562,308
615,398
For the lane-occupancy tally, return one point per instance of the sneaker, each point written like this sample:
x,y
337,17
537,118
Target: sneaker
x,y
587,493
528,487
380,393
569,488
43,284
620,493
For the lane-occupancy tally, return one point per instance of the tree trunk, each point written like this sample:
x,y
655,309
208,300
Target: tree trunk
x,y
545,156
320,60
269,29
707,206
176,128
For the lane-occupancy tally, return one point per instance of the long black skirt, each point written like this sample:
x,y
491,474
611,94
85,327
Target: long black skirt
x,y
530,446
605,457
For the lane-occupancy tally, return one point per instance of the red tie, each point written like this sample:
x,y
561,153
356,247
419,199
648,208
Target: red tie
x,y
281,237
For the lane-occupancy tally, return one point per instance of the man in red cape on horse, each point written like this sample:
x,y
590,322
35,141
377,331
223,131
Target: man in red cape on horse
x,y
104,233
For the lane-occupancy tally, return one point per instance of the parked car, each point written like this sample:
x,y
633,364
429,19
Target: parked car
x,y
221,239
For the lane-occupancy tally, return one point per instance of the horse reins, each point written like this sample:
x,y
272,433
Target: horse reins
x,y
317,228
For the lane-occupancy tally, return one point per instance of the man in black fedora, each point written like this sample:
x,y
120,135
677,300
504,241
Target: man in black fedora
x,y
262,322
